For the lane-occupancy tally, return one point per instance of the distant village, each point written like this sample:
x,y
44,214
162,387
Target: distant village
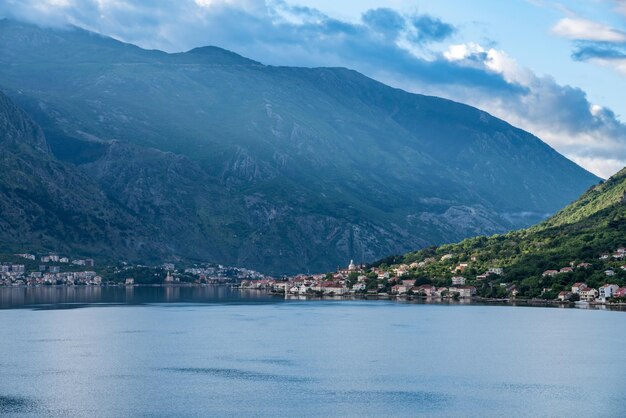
x,y
53,269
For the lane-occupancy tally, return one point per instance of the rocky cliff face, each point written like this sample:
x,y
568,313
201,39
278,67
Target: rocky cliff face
x,y
47,204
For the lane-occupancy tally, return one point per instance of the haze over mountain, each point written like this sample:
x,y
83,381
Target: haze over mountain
x,y
211,156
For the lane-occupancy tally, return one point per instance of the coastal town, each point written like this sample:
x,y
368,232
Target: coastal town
x,y
56,270
407,281
399,281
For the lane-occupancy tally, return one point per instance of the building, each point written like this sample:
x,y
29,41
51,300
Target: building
x,y
550,273
577,287
359,287
620,293
588,294
333,289
463,291
566,270
564,296
18,268
609,273
608,291
498,271
402,271
27,256
458,281
129,282
279,286
461,268
425,289
400,289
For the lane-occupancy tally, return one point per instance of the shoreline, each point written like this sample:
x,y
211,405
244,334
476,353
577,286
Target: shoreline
x,y
531,303
408,299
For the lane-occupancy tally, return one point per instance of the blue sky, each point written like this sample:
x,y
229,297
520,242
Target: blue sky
x,y
554,68
521,28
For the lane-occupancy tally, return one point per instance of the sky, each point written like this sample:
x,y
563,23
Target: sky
x,y
554,68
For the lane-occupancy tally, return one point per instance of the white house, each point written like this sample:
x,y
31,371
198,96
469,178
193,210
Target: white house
x,y
607,291
359,287
458,281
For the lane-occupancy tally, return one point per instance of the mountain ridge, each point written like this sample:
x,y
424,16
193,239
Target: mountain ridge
x,y
300,168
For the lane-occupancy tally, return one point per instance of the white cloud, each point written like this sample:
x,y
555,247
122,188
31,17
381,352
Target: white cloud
x,y
461,52
583,29
609,166
560,115
618,64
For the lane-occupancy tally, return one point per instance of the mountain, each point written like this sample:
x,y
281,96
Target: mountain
x,y
42,199
218,157
581,233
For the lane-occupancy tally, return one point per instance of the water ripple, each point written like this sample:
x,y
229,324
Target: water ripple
x,y
237,374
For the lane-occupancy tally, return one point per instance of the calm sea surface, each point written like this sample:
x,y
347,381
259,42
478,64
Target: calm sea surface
x,y
164,352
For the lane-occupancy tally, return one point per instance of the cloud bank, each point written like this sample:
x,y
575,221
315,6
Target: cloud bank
x,y
596,42
418,52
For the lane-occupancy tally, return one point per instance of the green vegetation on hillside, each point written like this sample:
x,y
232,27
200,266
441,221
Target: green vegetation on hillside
x,y
593,226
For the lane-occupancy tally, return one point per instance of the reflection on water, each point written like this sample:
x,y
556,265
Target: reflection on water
x,y
68,297
243,354
74,297
236,374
